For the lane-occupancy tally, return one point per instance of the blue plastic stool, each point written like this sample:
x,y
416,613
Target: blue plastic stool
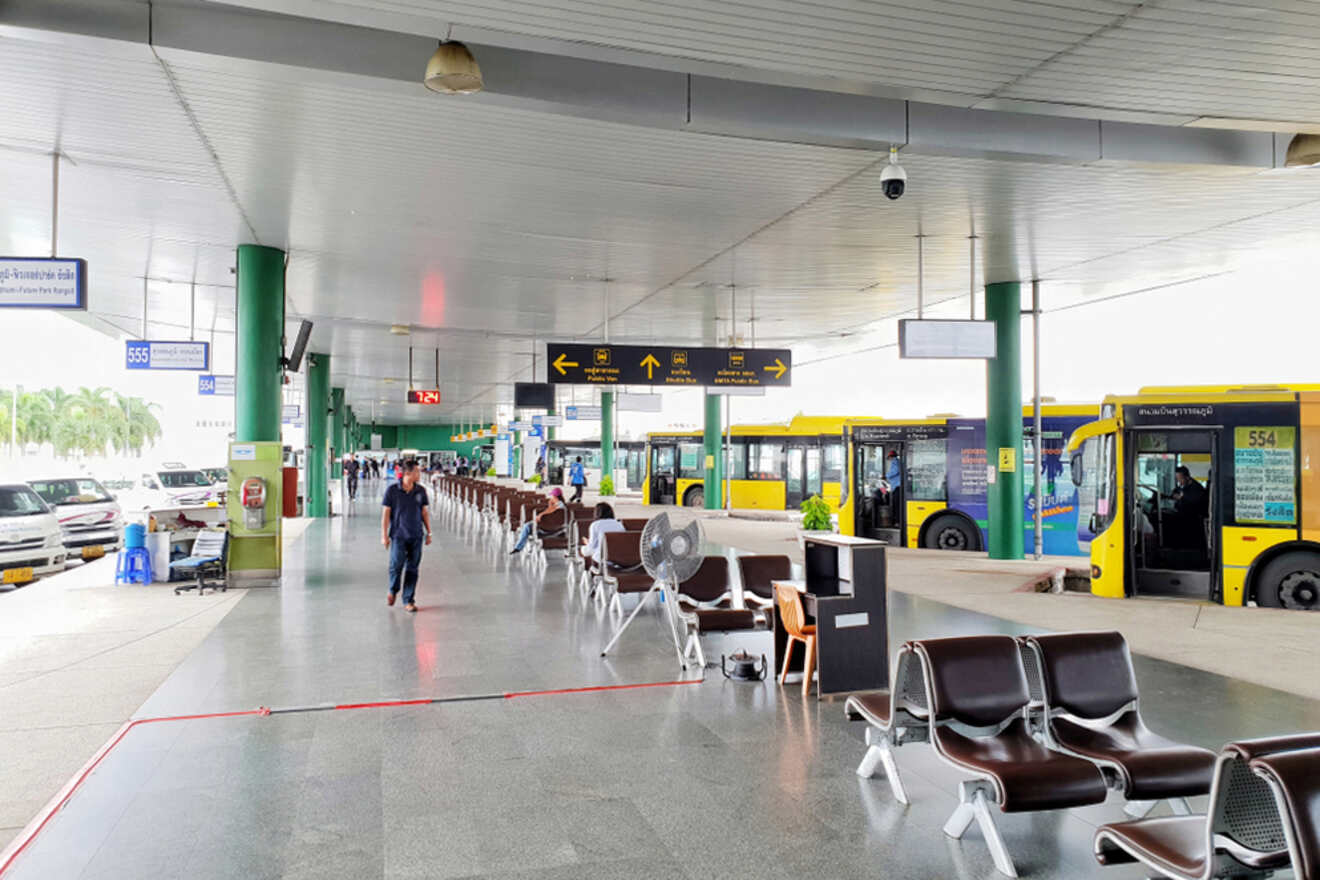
x,y
134,566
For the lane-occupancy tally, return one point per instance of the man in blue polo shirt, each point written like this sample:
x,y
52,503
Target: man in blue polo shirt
x,y
405,524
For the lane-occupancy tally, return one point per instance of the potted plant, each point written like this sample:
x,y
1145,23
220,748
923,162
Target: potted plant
x,y
606,486
534,479
490,472
816,519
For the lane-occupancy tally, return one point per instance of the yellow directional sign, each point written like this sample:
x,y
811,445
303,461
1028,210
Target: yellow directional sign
x,y
606,364
562,362
650,363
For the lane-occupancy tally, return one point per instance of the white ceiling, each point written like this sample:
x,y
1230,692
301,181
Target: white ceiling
x,y
1175,60
490,229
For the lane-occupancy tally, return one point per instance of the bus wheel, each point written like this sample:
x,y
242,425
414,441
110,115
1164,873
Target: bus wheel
x,y
1291,581
949,533
695,497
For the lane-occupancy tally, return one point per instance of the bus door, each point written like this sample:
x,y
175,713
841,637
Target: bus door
x,y
802,469
664,472
1172,540
879,498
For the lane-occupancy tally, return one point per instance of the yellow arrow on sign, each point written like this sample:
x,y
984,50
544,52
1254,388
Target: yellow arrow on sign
x,y
778,369
650,363
560,363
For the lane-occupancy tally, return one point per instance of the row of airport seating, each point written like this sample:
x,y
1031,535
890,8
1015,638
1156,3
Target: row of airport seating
x,y
707,600
1047,722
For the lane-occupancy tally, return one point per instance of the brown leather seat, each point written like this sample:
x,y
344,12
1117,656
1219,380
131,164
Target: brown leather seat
x,y
1294,778
1088,678
622,567
1248,820
758,574
634,525
705,604
979,701
873,708
894,718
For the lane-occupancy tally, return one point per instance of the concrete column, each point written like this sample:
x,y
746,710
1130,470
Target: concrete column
x,y
318,436
259,349
607,435
714,453
1003,421
337,434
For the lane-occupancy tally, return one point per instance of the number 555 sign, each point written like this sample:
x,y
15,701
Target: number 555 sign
x,y
143,354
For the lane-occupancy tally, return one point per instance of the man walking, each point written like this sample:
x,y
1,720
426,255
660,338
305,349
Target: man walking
x,y
577,477
405,524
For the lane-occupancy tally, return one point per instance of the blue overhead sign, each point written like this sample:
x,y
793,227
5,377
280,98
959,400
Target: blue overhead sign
x,y
218,386
43,283
146,354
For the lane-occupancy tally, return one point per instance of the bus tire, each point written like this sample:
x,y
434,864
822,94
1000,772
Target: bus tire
x,y
1291,580
694,497
949,532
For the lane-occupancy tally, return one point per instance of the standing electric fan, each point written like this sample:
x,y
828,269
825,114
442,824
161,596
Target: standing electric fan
x,y
670,556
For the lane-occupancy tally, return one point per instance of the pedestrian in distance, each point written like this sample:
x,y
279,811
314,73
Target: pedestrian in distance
x,y
577,476
405,526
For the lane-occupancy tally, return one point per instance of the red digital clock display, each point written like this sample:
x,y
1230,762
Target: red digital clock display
x,y
424,396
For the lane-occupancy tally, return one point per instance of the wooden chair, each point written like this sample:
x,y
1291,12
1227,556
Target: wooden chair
x,y
794,618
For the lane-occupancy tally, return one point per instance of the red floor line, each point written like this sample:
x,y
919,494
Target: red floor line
x,y
598,688
29,834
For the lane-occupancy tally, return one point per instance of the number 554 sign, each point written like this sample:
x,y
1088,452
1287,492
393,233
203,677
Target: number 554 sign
x,y
143,354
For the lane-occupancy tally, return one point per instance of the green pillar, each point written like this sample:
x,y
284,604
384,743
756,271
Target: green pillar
x,y
317,500
259,349
337,434
712,447
607,435
1003,421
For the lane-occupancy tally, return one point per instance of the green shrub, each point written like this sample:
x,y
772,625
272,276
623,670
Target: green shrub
x,y
490,472
534,479
816,515
606,485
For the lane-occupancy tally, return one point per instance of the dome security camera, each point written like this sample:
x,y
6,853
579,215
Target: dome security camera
x,y
893,179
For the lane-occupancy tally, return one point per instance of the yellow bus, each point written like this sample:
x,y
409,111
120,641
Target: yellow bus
x,y
922,482
770,467
1203,492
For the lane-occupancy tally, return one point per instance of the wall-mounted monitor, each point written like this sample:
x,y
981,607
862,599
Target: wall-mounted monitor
x,y
299,346
533,395
946,339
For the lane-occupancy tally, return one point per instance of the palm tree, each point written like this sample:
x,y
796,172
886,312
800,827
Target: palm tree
x,y
139,425
36,417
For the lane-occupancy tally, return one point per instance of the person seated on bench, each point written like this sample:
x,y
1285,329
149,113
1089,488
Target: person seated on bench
x,y
556,502
603,524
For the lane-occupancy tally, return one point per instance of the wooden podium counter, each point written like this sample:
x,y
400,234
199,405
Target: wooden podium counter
x,y
845,593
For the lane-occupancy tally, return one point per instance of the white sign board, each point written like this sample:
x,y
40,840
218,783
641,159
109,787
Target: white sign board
x,y
735,391
217,386
946,339
292,412
503,454
150,354
638,402
375,442
548,421
243,452
43,283
521,425
582,413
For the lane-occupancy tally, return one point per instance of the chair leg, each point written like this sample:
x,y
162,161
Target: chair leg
x,y
1180,806
998,849
788,657
960,821
880,753
808,665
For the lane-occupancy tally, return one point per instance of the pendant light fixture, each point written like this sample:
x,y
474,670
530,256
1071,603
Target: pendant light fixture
x,y
452,70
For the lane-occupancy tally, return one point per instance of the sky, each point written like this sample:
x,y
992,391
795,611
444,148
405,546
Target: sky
x,y
1253,326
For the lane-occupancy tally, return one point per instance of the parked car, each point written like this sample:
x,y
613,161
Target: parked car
x,y
31,544
90,519
219,475
168,487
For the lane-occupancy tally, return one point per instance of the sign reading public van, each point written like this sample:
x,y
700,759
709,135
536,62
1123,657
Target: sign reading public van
x,y
146,354
605,364
43,283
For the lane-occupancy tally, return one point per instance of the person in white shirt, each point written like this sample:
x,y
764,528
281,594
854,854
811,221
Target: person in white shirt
x,y
603,524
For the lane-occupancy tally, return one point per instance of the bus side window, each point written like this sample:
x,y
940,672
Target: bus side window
x,y
738,460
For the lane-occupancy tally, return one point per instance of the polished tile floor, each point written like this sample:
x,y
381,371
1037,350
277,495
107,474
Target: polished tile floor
x,y
710,780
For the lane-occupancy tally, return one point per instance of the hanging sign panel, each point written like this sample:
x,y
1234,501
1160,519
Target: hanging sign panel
x,y
605,364
291,412
217,386
638,402
946,339
43,283
582,413
553,421
144,354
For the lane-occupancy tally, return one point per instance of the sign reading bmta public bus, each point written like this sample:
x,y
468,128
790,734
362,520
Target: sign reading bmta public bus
x,y
606,364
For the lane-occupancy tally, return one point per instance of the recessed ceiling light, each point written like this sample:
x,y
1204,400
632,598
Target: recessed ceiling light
x,y
400,329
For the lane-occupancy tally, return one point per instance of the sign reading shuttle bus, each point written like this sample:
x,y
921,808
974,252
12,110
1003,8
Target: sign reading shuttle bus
x,y
605,364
